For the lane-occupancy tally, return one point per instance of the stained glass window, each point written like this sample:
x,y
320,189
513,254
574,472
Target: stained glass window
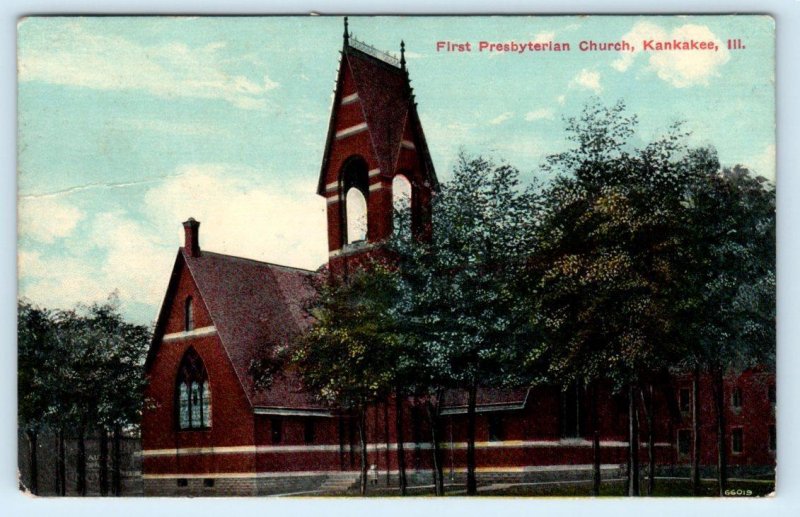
x,y
193,393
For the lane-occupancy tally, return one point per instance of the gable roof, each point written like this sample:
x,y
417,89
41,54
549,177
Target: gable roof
x,y
253,305
388,104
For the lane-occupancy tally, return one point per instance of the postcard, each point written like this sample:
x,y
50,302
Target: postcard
x,y
397,256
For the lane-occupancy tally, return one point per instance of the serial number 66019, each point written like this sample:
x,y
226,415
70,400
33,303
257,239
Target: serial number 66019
x,y
738,492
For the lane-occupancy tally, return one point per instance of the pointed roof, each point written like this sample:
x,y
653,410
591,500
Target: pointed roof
x,y
253,305
387,100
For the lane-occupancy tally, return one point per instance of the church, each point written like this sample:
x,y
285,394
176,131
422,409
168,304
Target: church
x,y
207,429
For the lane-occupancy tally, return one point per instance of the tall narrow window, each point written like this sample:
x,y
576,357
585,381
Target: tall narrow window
x,y
401,204
356,207
496,431
571,412
189,314
206,407
684,442
773,438
309,434
193,393
183,405
276,427
736,398
737,440
684,399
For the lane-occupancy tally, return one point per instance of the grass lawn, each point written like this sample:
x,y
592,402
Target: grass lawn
x,y
616,488
665,487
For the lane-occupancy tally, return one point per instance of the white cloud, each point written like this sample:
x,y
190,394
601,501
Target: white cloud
x,y
539,114
681,69
70,55
136,262
544,37
242,215
117,253
561,99
587,80
641,31
46,219
501,118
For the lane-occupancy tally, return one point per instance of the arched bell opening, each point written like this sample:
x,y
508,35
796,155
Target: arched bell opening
x,y
354,181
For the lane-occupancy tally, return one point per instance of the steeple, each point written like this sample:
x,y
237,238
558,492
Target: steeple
x,y
374,137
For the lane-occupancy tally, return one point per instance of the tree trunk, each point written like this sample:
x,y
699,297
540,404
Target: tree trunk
x,y
362,439
116,462
722,450
433,419
81,462
386,436
472,482
401,452
696,431
61,464
33,446
595,443
633,443
647,403
102,461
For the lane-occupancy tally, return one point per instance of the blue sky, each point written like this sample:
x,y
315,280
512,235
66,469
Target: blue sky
x,y
127,126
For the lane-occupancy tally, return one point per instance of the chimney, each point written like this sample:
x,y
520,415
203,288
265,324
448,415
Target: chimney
x,y
192,241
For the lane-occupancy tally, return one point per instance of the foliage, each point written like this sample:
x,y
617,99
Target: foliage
x,y
729,287
610,250
347,358
80,368
460,297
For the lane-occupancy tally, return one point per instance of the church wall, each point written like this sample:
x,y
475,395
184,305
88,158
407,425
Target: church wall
x,y
232,418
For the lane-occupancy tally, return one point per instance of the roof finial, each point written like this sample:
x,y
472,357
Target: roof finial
x,y
346,36
402,54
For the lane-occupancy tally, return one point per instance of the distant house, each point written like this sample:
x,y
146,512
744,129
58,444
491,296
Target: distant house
x,y
207,430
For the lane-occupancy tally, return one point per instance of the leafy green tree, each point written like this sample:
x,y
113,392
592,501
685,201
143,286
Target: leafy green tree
x,y
121,348
609,250
460,289
86,373
35,381
347,358
729,287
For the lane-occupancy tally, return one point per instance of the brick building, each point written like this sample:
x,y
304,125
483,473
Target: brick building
x,y
208,429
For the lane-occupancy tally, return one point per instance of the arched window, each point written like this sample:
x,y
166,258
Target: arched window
x,y
193,392
401,203
356,216
188,316
354,185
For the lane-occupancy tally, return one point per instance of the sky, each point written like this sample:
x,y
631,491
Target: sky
x,y
128,126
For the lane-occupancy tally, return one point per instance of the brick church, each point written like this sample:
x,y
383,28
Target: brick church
x,y
208,430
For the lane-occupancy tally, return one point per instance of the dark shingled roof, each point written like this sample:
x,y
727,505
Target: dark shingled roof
x,y
486,399
384,95
255,305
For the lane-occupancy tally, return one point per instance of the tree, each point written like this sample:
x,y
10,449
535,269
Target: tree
x,y
81,370
347,358
460,297
606,274
729,308
35,378
121,348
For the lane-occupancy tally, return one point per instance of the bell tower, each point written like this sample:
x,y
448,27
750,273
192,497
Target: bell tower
x,y
375,155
